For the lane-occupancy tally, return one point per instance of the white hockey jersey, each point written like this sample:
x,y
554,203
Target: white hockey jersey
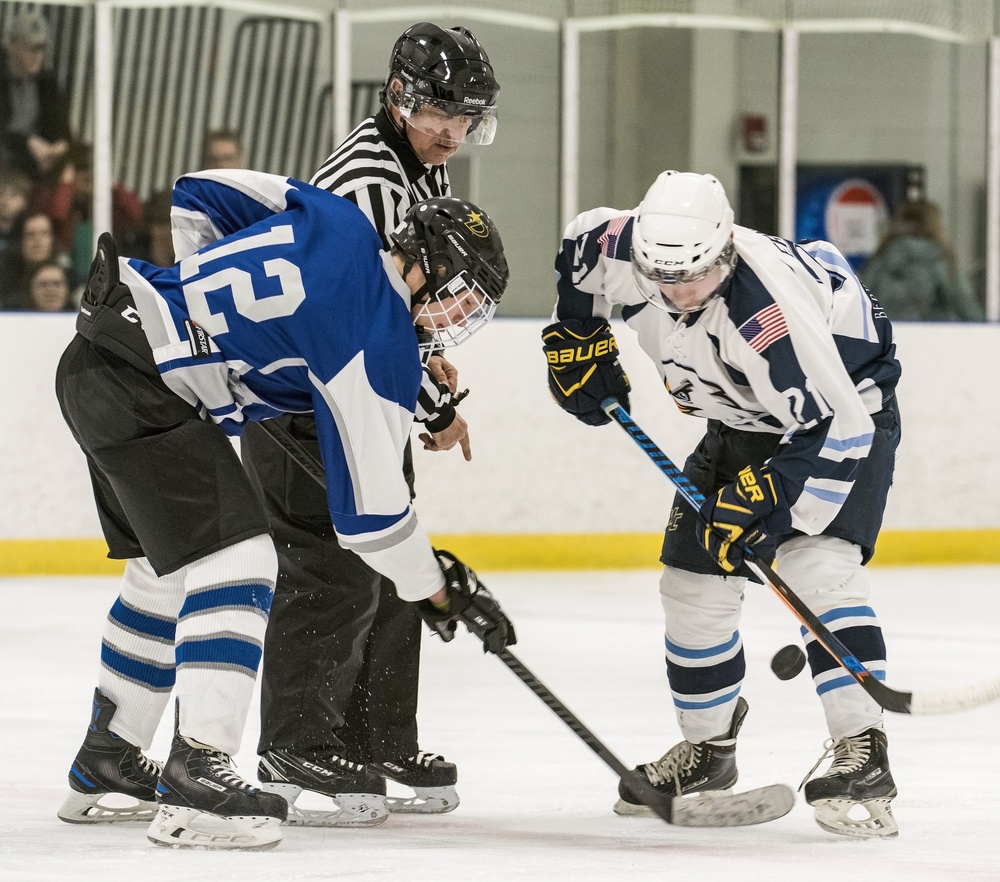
x,y
793,345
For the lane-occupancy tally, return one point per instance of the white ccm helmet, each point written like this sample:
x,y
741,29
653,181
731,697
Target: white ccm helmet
x,y
682,241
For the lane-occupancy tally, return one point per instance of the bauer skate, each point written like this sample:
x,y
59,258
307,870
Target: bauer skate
x,y
204,803
111,780
357,792
706,768
853,797
431,778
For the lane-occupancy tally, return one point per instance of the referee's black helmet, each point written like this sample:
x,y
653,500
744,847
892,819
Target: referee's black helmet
x,y
443,65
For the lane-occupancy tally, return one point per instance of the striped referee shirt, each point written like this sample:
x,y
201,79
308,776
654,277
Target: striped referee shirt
x,y
375,167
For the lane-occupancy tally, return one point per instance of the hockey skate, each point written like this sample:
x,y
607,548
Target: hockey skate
x,y
706,768
853,797
358,793
204,803
110,779
431,778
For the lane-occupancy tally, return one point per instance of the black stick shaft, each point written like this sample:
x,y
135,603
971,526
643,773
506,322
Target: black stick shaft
x,y
636,782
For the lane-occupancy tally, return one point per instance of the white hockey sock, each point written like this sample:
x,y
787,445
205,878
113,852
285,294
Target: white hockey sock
x,y
137,651
220,636
704,650
826,573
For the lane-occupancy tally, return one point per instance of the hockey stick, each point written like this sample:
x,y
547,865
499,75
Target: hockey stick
x,y
736,810
931,702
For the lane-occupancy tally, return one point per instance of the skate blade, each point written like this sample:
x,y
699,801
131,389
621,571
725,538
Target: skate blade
x,y
352,809
638,810
835,816
177,827
425,801
105,808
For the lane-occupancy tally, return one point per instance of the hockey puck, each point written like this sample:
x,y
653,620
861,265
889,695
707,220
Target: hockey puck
x,y
788,662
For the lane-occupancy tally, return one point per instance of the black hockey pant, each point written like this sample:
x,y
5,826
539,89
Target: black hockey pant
x,y
342,651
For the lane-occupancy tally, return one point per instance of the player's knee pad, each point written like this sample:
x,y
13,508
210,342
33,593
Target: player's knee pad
x,y
252,560
825,572
700,609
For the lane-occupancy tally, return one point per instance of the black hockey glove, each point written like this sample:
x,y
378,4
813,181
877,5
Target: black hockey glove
x,y
751,511
584,368
469,601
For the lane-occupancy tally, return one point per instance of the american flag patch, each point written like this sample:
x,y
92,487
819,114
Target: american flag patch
x,y
608,240
762,329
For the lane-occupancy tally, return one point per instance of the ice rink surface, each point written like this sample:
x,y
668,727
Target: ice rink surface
x,y
536,802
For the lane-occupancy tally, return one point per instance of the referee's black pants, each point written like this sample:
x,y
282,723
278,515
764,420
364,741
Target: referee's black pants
x,y
342,651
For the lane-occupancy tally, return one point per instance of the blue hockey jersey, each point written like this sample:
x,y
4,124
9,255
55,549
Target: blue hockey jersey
x,y
283,301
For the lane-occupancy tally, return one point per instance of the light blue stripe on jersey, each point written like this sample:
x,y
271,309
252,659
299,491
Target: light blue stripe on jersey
x,y
833,258
859,442
826,495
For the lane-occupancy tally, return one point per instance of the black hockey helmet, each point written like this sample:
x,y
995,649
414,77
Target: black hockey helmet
x,y
447,69
458,248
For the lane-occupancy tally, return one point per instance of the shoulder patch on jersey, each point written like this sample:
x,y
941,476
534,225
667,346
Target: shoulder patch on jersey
x,y
764,327
201,346
613,242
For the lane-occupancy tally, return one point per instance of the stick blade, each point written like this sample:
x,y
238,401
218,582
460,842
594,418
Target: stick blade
x,y
734,810
960,698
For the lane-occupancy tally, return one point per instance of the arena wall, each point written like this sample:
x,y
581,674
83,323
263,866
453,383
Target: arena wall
x,y
543,490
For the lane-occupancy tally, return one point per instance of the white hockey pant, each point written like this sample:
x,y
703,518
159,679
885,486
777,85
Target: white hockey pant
x,y
199,630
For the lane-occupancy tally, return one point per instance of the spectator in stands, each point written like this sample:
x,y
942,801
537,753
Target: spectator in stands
x,y
68,200
913,272
156,218
49,288
34,114
32,243
222,148
14,189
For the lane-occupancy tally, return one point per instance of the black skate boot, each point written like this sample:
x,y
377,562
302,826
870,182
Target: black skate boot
x,y
107,765
430,776
204,803
858,778
709,767
356,790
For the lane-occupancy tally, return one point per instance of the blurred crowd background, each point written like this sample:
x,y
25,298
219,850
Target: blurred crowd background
x,y
892,142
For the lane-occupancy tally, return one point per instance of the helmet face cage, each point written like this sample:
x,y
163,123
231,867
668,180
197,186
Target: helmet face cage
x,y
682,241
655,283
454,312
449,72
459,251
